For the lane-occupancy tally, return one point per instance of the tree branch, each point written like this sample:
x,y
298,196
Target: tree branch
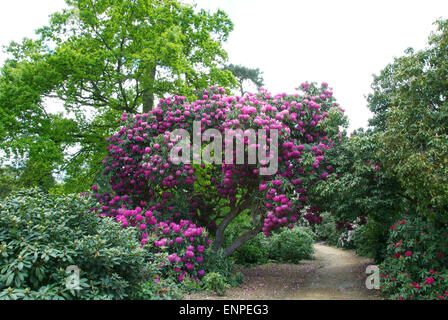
x,y
241,240
235,210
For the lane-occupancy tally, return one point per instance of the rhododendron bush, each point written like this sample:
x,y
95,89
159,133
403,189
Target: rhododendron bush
x,y
175,205
417,263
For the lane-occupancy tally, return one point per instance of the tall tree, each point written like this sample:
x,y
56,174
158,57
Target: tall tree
x,y
414,123
244,75
100,58
380,101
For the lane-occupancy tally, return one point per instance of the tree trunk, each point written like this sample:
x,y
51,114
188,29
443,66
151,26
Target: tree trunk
x,y
241,88
235,210
241,240
219,239
148,95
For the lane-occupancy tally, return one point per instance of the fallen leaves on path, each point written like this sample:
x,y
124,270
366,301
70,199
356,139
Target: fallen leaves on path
x,y
334,274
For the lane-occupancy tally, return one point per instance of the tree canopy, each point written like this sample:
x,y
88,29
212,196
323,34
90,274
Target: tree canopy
x,y
244,74
98,59
416,135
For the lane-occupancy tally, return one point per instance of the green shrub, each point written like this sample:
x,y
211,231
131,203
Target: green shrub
x,y
189,284
326,230
291,245
254,251
370,240
285,245
215,282
416,266
216,263
41,235
162,289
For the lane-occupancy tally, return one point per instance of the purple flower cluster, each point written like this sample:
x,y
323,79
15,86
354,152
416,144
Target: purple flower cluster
x,y
153,194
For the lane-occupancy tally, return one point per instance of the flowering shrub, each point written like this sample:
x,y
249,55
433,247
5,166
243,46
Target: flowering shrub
x,y
417,262
338,234
186,245
348,233
154,193
346,239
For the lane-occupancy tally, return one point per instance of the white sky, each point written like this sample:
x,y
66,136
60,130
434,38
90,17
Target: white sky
x,y
341,42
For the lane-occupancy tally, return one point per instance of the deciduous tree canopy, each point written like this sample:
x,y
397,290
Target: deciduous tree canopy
x,y
100,58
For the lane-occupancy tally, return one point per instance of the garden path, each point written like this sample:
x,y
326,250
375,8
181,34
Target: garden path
x,y
333,274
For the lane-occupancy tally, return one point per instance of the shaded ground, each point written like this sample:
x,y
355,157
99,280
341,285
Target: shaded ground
x,y
334,274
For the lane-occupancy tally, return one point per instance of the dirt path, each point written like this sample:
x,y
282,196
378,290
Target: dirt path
x,y
333,274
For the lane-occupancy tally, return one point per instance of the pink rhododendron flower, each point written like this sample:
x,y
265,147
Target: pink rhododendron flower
x,y
179,240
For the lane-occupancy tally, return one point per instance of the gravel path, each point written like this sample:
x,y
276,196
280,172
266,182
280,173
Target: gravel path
x,y
333,274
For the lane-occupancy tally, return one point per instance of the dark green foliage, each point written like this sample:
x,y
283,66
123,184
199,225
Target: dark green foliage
x,y
359,186
8,181
380,101
253,251
415,141
215,262
370,239
41,235
326,230
410,109
37,173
